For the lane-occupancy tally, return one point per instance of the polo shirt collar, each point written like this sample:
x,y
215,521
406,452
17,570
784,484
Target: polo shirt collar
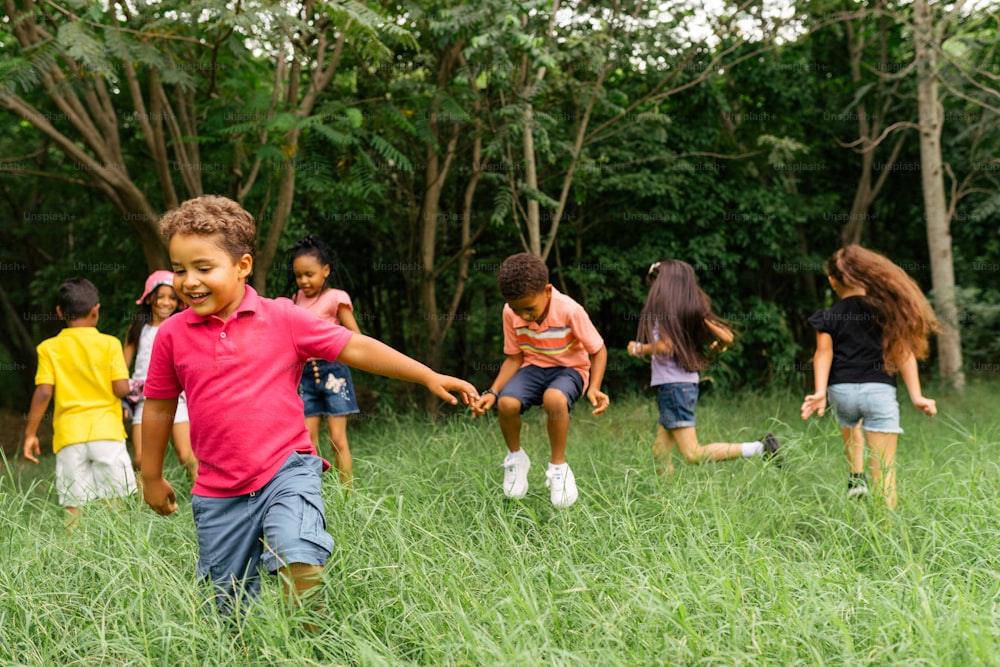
x,y
249,305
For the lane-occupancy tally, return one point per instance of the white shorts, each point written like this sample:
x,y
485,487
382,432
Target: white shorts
x,y
180,417
93,471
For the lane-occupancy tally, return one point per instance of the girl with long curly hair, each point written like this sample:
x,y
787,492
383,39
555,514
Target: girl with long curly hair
x,y
876,332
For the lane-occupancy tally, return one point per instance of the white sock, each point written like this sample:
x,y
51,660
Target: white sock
x,y
518,454
755,448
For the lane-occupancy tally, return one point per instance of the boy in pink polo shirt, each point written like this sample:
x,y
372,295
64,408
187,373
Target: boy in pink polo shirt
x,y
552,351
238,356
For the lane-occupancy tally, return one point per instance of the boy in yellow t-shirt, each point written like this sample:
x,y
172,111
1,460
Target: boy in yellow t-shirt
x,y
85,371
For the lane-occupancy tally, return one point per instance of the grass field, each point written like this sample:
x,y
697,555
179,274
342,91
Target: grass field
x,y
739,563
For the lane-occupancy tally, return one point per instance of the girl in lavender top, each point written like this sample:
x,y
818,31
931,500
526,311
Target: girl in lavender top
x,y
681,335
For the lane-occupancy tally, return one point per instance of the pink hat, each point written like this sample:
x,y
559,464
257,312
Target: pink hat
x,y
155,279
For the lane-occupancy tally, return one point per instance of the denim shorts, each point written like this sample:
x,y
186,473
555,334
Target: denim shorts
x,y
530,382
327,389
874,404
281,523
676,402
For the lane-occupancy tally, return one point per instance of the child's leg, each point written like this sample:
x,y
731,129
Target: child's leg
x,y
854,448
298,579
509,416
312,424
341,449
136,445
557,412
882,465
687,442
662,448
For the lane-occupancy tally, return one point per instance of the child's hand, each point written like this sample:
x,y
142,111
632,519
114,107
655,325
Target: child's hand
x,y
442,386
926,405
633,351
814,403
32,450
483,404
599,400
159,495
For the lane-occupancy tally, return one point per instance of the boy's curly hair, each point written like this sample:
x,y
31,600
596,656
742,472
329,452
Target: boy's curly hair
x,y
77,296
522,275
211,215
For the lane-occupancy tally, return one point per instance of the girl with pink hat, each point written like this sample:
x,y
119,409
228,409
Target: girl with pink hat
x,y
158,302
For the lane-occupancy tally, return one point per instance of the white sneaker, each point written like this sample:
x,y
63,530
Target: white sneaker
x,y
515,474
562,484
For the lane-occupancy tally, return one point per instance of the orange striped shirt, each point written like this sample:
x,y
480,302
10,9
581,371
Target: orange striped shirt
x,y
566,337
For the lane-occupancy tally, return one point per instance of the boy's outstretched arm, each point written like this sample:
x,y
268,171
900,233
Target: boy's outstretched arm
x,y
39,404
374,356
511,364
157,422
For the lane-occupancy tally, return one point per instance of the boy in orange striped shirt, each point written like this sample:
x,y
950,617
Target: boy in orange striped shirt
x,y
552,351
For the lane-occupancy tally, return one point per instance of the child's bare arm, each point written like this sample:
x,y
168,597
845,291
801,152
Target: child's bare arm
x,y
346,316
911,378
721,332
39,404
598,364
374,356
129,352
662,346
508,368
822,361
120,388
157,422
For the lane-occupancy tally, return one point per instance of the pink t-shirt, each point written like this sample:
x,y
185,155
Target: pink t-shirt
x,y
326,305
567,337
241,377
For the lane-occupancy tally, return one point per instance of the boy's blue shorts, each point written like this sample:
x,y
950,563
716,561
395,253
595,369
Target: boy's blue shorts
x,y
282,523
530,382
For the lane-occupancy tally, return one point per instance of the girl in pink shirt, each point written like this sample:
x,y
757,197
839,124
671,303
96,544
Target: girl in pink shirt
x,y
680,334
158,302
326,388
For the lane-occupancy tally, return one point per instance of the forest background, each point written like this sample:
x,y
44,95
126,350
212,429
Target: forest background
x,y
428,140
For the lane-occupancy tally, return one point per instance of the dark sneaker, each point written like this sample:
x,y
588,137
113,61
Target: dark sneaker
x,y
771,447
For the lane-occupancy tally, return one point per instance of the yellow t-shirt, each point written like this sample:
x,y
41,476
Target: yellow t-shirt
x,y
81,363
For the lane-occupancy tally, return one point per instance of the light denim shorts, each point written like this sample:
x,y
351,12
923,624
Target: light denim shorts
x,y
874,404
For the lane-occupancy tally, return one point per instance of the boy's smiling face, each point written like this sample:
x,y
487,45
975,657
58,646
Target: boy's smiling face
x,y
206,277
534,307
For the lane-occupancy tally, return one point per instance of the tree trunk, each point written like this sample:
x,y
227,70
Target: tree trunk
x,y
936,209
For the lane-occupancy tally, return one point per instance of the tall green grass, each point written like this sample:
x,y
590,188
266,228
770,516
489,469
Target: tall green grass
x,y
722,564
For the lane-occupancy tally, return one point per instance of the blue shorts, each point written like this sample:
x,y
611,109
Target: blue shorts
x,y
530,382
874,404
281,523
676,402
327,389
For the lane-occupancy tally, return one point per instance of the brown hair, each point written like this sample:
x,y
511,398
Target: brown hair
x,y
906,318
521,275
211,215
679,311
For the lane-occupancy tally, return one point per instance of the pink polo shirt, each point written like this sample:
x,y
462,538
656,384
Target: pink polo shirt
x,y
241,377
566,337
